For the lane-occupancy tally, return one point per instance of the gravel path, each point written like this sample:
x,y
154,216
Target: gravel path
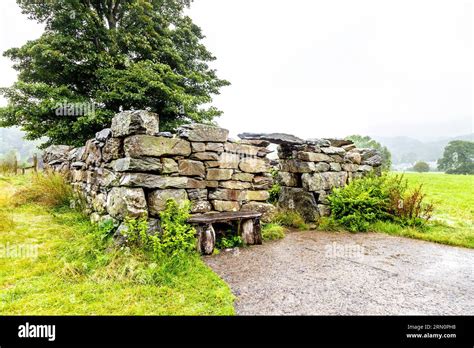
x,y
327,273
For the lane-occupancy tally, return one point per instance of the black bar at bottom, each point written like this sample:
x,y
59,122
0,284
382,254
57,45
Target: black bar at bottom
x,y
449,331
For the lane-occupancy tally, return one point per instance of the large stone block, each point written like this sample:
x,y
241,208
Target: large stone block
x,y
318,142
92,153
339,142
135,122
169,166
332,150
226,205
99,203
260,195
205,156
242,177
261,182
144,164
299,199
235,185
259,143
153,181
287,179
275,138
374,161
203,133
56,153
146,145
103,135
219,174
196,183
227,195
324,210
113,149
108,178
335,167
191,168
297,166
253,165
268,210
313,157
242,149
349,167
367,152
353,157
126,202
215,147
197,194
200,207
198,147
228,160
321,167
365,168
323,181
157,199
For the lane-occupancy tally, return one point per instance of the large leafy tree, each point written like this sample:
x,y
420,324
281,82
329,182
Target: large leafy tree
x,y
458,158
366,141
115,55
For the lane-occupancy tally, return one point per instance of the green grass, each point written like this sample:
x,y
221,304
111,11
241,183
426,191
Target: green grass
x,y
453,219
290,218
273,231
79,273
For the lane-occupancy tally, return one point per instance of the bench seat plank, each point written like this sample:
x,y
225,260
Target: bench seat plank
x,y
222,217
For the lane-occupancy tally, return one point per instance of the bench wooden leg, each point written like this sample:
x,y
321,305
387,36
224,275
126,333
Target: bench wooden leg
x,y
206,239
246,231
251,232
257,231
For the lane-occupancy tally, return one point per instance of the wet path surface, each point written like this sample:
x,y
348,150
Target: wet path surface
x,y
327,273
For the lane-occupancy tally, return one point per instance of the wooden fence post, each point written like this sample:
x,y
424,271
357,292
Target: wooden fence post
x,y
35,162
15,165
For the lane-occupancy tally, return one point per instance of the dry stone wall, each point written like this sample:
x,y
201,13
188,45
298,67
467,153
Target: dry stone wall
x,y
132,169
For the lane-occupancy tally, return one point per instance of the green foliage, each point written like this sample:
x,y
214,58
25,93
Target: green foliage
x,y
366,141
290,218
229,241
274,193
328,223
421,167
458,158
407,207
105,229
273,231
178,236
384,198
358,204
49,189
275,189
106,56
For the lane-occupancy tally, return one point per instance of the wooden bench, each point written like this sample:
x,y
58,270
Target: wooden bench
x,y
248,228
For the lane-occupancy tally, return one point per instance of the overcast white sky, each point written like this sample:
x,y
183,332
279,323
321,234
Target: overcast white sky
x,y
318,68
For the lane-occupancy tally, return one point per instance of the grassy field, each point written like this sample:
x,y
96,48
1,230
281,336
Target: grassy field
x,y
76,272
453,220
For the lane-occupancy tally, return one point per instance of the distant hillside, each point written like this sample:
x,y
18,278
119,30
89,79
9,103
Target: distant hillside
x,y
11,139
410,150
